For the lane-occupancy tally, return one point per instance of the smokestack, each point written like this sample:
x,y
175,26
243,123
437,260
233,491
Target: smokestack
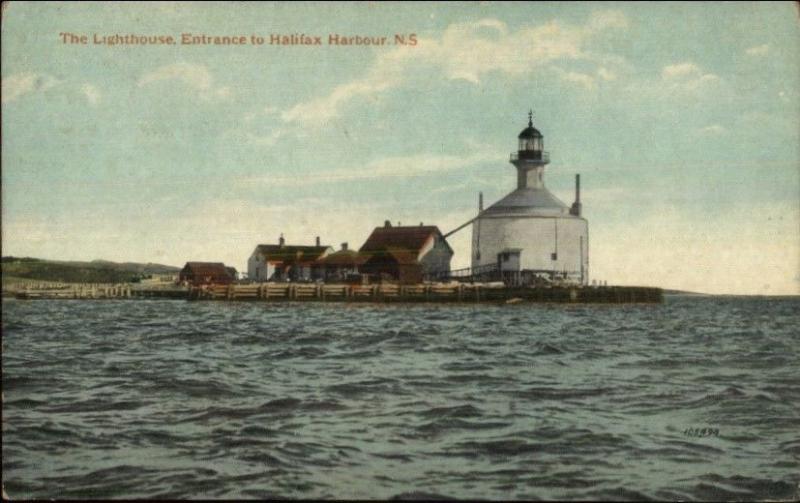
x,y
480,201
281,241
576,206
317,240
387,223
344,246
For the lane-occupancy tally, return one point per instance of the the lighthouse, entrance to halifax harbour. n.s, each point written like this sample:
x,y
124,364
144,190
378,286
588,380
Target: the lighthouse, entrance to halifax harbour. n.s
x,y
530,233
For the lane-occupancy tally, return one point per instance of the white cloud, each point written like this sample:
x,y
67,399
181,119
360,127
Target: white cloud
x,y
467,51
679,84
266,140
390,167
194,76
687,77
92,93
606,74
681,79
16,85
607,19
19,84
581,79
759,50
679,70
712,130
223,92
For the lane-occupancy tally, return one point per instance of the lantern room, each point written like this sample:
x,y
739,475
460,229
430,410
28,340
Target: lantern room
x,y
531,141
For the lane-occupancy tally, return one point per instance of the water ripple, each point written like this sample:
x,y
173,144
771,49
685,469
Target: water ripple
x,y
695,399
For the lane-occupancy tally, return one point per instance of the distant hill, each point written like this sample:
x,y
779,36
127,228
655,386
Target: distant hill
x,y
96,271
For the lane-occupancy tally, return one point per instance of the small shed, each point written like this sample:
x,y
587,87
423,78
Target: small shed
x,y
205,273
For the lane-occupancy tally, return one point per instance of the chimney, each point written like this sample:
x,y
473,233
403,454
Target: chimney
x,y
576,206
480,201
344,246
281,241
387,224
317,240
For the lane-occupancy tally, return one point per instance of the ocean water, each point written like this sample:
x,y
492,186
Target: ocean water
x,y
694,399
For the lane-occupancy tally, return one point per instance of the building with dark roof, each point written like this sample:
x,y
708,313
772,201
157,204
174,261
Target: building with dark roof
x,y
206,273
233,272
406,254
341,265
282,262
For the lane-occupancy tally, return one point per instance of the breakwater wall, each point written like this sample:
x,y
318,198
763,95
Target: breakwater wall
x,y
460,292
287,292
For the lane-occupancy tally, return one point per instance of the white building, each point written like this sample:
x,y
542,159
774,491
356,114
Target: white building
x,y
282,262
530,232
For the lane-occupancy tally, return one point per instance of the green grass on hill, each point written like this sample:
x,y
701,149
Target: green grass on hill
x,y
79,272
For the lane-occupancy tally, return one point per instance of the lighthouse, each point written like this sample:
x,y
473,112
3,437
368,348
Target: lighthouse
x,y
530,234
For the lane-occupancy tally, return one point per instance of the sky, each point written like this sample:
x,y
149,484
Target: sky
x,y
683,120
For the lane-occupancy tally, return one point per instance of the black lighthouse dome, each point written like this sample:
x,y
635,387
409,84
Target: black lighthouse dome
x,y
530,132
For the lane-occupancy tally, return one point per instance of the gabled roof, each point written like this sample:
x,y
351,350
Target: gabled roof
x,y
343,258
291,253
409,238
207,268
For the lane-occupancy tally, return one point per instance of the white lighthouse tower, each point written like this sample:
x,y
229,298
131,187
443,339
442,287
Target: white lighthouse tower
x,y
530,233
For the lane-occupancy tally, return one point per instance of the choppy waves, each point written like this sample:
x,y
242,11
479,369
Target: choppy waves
x,y
169,399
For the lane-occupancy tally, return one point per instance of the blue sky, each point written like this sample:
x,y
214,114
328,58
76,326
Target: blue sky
x,y
681,118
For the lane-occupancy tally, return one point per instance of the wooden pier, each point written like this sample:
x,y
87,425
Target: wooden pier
x,y
57,290
436,293
382,293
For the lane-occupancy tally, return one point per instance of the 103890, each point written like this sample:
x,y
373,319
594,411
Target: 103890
x,y
701,432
